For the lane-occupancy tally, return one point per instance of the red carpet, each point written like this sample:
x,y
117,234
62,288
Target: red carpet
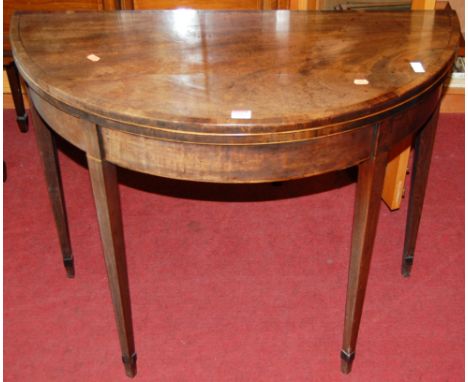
x,y
230,283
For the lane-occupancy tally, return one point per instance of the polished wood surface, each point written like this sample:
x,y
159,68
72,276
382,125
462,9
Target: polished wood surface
x,y
453,101
12,6
209,64
196,4
240,97
209,4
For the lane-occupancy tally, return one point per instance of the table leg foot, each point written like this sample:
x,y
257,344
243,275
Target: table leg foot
x,y
130,365
22,121
69,267
406,266
346,362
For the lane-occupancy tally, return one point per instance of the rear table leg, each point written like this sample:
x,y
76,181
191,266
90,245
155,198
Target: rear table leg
x,y
15,86
46,144
423,146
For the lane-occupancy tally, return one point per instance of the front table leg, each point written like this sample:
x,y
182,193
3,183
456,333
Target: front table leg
x,y
366,212
107,200
46,144
423,145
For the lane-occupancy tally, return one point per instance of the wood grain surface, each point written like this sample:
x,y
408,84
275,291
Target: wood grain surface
x,y
11,6
200,66
198,4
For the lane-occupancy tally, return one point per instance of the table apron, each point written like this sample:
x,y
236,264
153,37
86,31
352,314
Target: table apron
x,y
237,163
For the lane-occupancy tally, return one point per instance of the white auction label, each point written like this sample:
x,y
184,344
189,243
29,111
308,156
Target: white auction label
x,y
361,81
241,114
93,57
417,67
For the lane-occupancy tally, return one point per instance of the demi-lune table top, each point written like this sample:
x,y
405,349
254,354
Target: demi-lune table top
x,y
227,72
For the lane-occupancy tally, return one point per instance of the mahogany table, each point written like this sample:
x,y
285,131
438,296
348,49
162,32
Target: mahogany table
x,y
236,97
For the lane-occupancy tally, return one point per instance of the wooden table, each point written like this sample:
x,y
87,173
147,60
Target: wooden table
x,y
236,97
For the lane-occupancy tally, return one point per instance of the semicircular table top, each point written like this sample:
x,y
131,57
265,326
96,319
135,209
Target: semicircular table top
x,y
194,68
